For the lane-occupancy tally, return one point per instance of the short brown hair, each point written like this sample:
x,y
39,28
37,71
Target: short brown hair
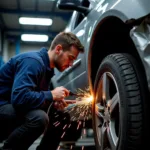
x,y
67,39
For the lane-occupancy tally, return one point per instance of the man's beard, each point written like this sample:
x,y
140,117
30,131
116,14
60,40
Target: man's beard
x,y
58,65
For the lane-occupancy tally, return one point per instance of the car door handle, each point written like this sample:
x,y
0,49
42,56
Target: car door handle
x,y
67,71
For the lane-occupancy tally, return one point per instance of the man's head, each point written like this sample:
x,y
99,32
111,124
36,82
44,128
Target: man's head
x,y
65,47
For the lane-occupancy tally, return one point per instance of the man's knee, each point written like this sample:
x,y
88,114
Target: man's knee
x,y
38,118
7,110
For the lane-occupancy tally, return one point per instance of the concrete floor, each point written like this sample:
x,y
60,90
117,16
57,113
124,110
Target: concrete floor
x,y
81,144
86,143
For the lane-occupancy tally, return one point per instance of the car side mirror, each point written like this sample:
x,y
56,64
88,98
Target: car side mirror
x,y
72,5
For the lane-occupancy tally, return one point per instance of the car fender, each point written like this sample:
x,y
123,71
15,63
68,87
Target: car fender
x,y
112,10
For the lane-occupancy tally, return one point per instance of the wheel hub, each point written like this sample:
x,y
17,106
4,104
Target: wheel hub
x,y
106,115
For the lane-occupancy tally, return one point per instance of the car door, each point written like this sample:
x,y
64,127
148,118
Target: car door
x,y
75,76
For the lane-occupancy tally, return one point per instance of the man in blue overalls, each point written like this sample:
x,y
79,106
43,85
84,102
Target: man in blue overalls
x,y
25,94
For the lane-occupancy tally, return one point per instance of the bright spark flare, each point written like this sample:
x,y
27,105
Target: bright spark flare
x,y
89,99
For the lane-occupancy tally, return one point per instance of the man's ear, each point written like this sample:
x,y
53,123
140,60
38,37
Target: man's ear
x,y
58,48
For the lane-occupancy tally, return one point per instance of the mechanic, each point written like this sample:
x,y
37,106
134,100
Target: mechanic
x,y
25,95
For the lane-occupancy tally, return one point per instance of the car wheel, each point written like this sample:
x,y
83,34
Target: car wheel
x,y
118,108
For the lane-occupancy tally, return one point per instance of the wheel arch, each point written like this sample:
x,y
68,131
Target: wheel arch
x,y
110,36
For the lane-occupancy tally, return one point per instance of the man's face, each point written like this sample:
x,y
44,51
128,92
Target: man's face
x,y
65,59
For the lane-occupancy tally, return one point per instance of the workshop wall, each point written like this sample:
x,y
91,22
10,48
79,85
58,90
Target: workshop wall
x,y
5,50
10,49
31,47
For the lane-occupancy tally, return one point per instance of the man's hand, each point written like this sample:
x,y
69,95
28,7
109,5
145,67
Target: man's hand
x,y
60,105
59,93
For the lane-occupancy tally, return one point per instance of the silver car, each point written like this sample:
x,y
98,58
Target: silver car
x,y
115,66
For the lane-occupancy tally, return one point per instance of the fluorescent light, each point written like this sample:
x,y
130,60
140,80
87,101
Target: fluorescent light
x,y
34,37
35,21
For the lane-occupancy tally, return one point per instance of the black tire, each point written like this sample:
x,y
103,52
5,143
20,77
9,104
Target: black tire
x,y
119,108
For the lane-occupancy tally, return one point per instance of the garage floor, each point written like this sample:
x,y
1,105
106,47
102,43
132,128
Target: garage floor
x,y
81,144
86,143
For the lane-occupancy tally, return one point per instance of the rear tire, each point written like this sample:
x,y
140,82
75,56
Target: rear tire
x,y
119,120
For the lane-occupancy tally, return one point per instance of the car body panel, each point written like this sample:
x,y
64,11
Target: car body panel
x,y
141,38
77,76
75,73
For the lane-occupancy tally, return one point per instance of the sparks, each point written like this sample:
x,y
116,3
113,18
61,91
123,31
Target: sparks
x,y
58,147
82,147
57,124
64,126
89,99
63,135
71,147
69,126
81,110
84,131
56,116
78,125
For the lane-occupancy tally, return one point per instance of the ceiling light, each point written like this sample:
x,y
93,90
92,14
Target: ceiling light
x,y
35,21
34,37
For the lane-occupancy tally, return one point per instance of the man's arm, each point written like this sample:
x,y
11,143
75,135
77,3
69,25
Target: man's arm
x,y
24,94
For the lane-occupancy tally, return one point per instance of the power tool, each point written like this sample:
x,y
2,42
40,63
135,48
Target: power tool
x,y
75,94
